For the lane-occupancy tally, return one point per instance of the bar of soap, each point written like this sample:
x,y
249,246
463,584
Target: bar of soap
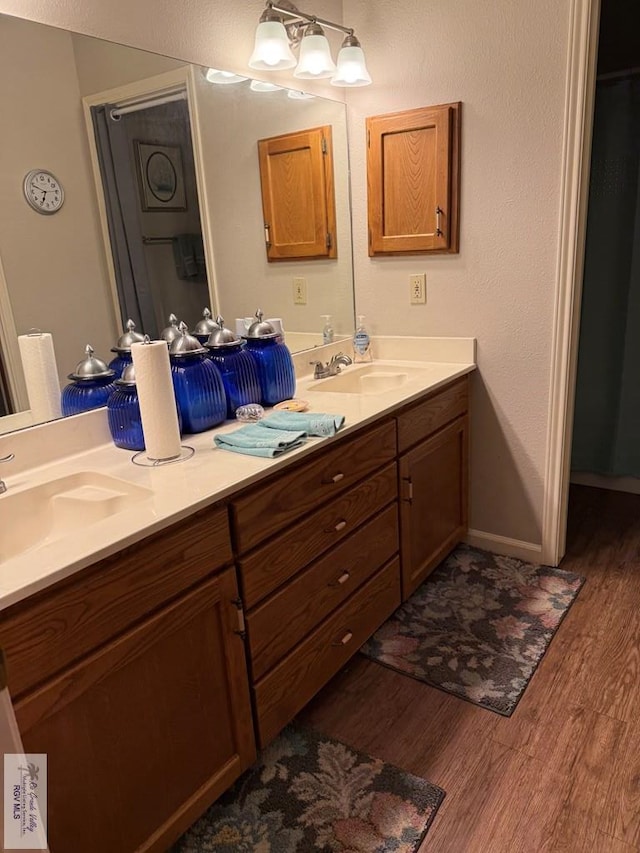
x,y
293,405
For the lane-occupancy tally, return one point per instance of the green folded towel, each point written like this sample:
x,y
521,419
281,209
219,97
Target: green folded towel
x,y
254,440
313,423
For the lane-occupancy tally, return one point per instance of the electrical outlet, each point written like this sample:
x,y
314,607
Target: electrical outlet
x,y
418,288
300,291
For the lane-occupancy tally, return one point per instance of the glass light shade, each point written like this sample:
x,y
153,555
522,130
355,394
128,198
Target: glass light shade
x,y
271,51
223,78
261,86
352,69
315,59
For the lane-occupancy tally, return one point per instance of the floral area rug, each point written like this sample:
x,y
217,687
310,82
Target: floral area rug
x,y
310,793
477,627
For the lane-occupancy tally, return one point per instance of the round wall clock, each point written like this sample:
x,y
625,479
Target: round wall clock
x,y
43,191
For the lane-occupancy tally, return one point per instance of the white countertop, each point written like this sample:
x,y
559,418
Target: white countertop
x,y
178,490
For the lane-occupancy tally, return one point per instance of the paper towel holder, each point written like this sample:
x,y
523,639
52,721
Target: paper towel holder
x,y
141,458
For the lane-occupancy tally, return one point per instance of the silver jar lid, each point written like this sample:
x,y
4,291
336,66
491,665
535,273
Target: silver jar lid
x,y
207,325
129,337
223,337
90,368
170,332
260,328
128,377
185,344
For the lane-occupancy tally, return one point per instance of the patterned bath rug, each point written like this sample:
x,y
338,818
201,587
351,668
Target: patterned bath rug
x,y
310,793
477,627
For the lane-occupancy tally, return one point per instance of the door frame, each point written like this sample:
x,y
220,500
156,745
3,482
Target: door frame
x,y
170,82
584,18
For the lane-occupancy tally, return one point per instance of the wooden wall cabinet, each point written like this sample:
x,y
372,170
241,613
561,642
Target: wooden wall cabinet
x,y
413,180
298,200
145,718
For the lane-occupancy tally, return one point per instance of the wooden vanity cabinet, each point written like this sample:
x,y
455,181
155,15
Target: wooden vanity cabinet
x,y
433,438
147,719
319,572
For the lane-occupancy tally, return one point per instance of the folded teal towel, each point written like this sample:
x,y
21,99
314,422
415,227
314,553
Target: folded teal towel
x,y
313,423
254,440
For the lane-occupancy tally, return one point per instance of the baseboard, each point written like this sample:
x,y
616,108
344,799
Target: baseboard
x,y
600,481
504,545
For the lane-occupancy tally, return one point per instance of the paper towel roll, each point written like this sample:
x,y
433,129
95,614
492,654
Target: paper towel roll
x,y
157,401
40,375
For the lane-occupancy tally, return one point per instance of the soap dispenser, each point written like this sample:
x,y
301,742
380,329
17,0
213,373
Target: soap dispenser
x,y
197,384
273,362
123,348
90,387
327,329
361,342
237,368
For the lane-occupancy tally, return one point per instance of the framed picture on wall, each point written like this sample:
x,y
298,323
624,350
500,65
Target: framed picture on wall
x,y
161,177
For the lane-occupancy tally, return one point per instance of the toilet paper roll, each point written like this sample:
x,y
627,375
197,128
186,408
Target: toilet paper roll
x,y
40,375
157,401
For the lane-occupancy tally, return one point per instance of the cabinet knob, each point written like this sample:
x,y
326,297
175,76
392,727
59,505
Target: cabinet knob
x,y
340,525
343,642
344,577
334,479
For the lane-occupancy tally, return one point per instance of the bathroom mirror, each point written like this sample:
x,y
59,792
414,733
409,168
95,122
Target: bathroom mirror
x,y
56,271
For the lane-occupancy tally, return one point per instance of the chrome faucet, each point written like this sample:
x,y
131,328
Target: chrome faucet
x,y
3,485
331,368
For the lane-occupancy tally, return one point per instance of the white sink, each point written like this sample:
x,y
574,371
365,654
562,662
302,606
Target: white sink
x,y
368,379
46,512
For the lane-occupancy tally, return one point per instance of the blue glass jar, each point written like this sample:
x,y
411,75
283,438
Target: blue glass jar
x,y
237,368
197,384
123,348
123,413
90,387
205,327
273,361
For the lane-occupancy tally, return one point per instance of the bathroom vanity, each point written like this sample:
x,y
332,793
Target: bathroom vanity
x,y
151,675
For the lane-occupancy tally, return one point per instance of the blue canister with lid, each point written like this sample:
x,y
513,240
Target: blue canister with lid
x,y
90,387
205,327
273,361
197,384
123,412
237,368
123,348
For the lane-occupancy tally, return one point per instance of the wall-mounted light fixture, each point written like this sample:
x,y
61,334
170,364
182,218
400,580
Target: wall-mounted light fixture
x,y
275,37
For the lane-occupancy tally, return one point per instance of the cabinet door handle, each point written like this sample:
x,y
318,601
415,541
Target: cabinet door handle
x,y
335,479
343,642
340,525
344,577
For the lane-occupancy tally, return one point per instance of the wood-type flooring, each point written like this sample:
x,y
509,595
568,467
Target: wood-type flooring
x,y
563,772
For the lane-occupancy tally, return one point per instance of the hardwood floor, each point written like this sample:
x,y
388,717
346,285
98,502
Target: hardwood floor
x,y
563,772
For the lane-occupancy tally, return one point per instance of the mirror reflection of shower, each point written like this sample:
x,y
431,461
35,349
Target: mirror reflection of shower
x,y
146,161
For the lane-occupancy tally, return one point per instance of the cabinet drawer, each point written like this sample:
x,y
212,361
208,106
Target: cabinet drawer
x,y
418,422
279,624
61,624
263,512
311,664
265,569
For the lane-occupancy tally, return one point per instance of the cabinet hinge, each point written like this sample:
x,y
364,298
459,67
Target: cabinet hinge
x,y
324,145
368,139
408,489
329,240
237,603
267,236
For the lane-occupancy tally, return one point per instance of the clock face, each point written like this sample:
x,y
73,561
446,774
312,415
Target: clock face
x,y
43,191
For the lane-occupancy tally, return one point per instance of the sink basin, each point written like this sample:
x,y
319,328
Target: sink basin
x,y
46,512
368,379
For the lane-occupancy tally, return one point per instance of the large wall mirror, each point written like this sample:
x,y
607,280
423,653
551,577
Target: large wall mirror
x,y
60,273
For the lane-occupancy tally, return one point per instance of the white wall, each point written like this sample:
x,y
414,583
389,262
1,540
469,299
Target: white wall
x,y
54,265
506,62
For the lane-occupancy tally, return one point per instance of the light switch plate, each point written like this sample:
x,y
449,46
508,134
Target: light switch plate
x,y
299,291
